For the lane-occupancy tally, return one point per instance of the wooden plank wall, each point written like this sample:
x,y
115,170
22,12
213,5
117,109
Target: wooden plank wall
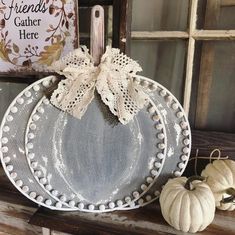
x,y
205,142
207,62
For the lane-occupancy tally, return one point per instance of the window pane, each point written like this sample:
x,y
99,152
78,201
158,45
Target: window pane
x,y
216,14
216,100
8,91
162,61
156,15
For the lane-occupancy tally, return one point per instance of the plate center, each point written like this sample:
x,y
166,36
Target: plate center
x,y
97,154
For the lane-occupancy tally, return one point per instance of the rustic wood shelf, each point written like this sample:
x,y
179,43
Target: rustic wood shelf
x,y
143,221
146,220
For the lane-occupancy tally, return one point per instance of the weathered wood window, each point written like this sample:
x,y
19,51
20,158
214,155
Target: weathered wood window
x,y
189,47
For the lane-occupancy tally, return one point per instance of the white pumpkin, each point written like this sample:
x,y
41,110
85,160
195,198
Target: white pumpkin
x,y
220,177
187,204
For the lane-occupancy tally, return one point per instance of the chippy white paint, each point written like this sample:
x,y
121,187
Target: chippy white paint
x,y
170,152
178,132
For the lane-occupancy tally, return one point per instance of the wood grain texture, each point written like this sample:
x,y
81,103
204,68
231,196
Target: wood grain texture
x,y
158,35
227,3
190,56
205,83
205,142
196,34
58,233
189,75
97,33
122,24
17,222
143,221
206,68
214,34
15,212
4,181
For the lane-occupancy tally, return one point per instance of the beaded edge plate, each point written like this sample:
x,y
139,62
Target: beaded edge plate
x,y
61,192
20,184
13,159
178,135
175,107
182,132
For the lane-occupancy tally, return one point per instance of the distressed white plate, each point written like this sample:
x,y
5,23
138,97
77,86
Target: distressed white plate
x,y
12,152
96,163
178,136
177,133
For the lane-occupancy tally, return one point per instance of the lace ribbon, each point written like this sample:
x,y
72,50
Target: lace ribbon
x,y
113,79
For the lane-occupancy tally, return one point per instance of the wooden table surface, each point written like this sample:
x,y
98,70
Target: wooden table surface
x,y
147,220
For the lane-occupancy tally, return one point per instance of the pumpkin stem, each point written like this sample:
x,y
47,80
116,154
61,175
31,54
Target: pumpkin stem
x,y
188,184
231,192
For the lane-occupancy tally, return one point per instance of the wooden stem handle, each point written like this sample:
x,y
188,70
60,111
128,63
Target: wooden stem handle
x,y
97,33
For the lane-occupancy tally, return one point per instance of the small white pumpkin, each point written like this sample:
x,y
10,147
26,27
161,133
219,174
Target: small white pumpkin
x,y
220,176
187,204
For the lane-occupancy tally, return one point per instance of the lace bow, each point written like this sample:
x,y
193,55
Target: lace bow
x,y
113,79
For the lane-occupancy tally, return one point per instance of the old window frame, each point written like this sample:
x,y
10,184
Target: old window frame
x,y
192,35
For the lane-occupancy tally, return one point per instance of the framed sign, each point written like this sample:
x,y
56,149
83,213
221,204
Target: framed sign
x,y
35,33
